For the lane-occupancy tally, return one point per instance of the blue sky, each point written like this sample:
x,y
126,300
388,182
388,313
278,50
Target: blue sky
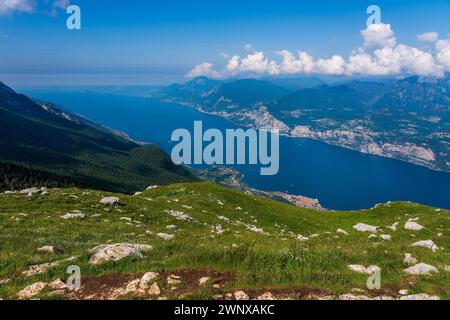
x,y
156,42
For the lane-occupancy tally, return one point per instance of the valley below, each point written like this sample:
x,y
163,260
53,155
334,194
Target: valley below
x,y
308,167
406,119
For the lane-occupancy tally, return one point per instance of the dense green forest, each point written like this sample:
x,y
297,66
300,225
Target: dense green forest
x,y
15,177
70,149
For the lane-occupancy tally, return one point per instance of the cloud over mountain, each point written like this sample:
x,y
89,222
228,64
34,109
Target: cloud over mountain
x,y
380,55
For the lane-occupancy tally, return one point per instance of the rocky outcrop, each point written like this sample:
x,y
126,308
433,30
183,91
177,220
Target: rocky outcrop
x,y
409,259
362,227
429,244
31,290
110,201
421,269
361,269
413,226
115,252
241,295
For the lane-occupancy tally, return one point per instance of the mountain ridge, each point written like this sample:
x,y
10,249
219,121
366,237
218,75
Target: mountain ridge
x,y
406,119
44,138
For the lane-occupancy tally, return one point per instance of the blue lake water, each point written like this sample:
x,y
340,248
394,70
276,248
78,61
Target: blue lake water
x,y
341,179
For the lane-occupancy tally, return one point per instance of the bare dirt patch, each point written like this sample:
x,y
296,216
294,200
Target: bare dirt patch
x,y
101,287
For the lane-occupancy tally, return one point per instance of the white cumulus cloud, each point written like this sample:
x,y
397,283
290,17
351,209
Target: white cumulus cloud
x,y
30,6
443,53
379,35
428,37
8,6
204,69
379,55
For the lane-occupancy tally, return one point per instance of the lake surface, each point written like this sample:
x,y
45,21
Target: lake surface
x,y
341,179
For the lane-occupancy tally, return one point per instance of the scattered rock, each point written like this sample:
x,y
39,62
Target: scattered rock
x,y
137,194
50,249
302,238
136,287
116,252
42,268
172,227
266,297
68,216
217,229
394,226
366,228
31,290
409,259
403,292
166,236
132,287
110,201
57,284
241,295
421,269
154,289
151,188
173,280
342,231
362,269
147,279
203,281
429,244
386,237
413,226
30,191
38,269
421,297
349,296
179,215
447,268
228,296
384,298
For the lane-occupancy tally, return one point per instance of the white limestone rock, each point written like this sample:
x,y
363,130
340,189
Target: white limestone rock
x,y
409,259
203,281
429,244
110,201
342,232
420,297
413,226
421,269
115,252
365,228
362,269
32,290
166,236
241,295
30,191
69,216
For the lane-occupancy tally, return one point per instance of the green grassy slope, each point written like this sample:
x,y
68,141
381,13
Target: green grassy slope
x,y
244,259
